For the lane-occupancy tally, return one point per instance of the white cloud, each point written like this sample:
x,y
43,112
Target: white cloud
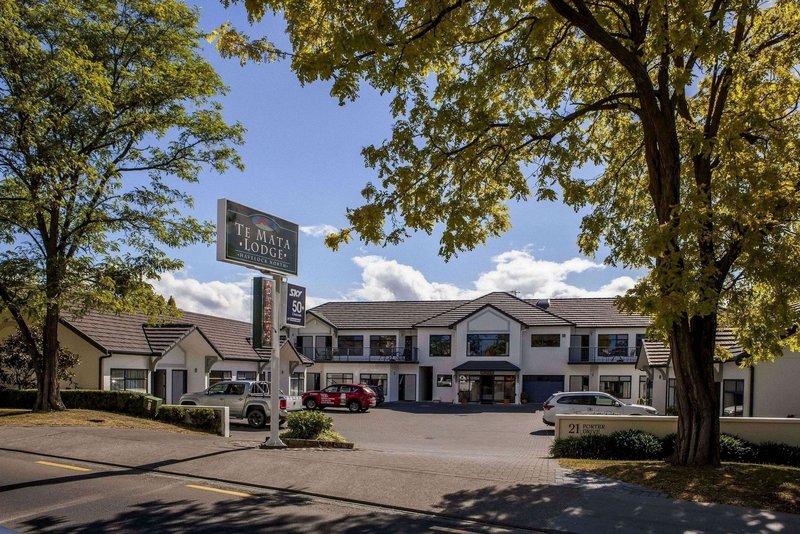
x,y
319,230
223,299
514,270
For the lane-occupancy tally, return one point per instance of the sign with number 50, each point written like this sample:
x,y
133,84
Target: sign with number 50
x,y
295,305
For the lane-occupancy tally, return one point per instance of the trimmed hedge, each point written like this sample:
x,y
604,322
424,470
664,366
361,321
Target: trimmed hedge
x,y
639,445
206,419
124,402
308,424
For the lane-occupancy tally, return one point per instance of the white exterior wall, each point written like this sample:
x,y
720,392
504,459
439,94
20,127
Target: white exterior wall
x,y
440,365
777,393
124,361
545,360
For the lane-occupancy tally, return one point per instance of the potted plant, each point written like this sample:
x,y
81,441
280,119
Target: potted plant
x,y
463,397
506,401
523,397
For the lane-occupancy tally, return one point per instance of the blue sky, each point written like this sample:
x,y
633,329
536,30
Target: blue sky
x,y
303,163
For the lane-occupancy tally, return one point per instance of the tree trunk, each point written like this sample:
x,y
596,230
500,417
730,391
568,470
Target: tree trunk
x,y
692,345
48,397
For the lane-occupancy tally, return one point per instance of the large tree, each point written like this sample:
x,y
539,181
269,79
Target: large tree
x,y
16,364
690,110
106,109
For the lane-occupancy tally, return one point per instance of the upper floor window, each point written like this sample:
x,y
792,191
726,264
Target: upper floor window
x,y
351,345
612,344
545,340
440,345
382,345
487,344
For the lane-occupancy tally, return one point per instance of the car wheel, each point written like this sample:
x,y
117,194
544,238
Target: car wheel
x,y
311,404
256,418
354,406
188,404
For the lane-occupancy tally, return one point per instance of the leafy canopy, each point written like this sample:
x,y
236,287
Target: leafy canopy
x,y
497,101
17,367
106,111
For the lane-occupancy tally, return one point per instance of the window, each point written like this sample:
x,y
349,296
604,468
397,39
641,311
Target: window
x,y
374,379
444,381
305,345
339,378
579,383
218,376
296,382
671,403
733,398
618,386
612,344
382,345
351,345
129,380
245,375
602,400
487,344
645,389
440,345
545,340
313,382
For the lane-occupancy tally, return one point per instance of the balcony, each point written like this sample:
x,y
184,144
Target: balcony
x,y
362,355
603,354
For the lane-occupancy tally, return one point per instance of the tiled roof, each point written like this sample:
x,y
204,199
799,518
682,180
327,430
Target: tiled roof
x,y
114,333
518,309
482,365
381,314
656,354
162,338
594,313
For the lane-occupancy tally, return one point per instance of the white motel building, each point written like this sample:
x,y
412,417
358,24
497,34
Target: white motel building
x,y
494,349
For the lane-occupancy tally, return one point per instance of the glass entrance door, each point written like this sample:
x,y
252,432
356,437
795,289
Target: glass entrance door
x,y
487,389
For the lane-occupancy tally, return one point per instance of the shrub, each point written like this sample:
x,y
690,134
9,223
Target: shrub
x,y
778,454
668,445
307,424
589,446
634,444
16,398
206,419
735,449
124,402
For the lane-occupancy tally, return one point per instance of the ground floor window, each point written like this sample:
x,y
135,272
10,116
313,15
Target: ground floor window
x,y
218,376
313,382
338,378
733,398
487,388
375,379
296,383
129,380
245,375
579,383
645,390
671,403
619,386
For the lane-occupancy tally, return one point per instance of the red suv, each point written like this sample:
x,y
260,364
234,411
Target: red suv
x,y
356,397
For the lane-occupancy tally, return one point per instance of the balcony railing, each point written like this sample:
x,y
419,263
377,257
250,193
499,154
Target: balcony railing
x,y
603,354
366,354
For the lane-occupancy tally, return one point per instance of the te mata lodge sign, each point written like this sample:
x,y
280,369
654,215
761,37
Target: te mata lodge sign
x,y
249,237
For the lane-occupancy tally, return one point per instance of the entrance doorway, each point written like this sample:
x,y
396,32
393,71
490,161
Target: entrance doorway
x,y
487,389
160,384
426,383
178,384
407,388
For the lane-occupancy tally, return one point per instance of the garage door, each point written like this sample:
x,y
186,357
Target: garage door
x,y
539,387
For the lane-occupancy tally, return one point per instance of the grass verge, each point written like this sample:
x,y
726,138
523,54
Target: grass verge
x,y
76,417
766,487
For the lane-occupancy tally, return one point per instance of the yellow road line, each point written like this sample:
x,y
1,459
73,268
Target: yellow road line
x,y
63,466
217,490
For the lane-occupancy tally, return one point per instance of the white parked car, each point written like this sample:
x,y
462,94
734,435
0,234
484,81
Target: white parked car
x,y
590,402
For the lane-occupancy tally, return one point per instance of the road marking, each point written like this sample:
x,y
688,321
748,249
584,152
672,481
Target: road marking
x,y
217,490
63,466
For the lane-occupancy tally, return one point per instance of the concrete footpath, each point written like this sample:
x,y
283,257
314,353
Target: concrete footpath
x,y
569,503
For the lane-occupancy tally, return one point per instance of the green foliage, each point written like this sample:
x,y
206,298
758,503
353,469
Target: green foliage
x,y
205,419
16,365
639,445
17,398
106,108
307,424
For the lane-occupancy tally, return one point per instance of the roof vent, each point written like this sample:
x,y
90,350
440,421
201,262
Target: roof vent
x,y
543,303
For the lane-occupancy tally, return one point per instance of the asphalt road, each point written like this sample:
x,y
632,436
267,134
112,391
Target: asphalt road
x,y
46,494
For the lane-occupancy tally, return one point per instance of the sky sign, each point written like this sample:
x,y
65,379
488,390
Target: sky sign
x,y
252,238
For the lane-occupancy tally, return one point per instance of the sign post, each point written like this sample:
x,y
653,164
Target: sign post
x,y
261,241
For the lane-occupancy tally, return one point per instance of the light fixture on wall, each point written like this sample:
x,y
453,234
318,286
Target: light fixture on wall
x,y
195,369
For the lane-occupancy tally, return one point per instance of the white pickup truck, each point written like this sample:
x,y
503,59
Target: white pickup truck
x,y
245,400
